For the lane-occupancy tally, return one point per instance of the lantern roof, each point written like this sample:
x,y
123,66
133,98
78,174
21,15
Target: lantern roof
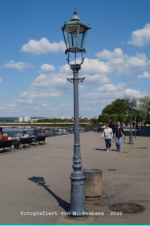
x,y
75,20
75,16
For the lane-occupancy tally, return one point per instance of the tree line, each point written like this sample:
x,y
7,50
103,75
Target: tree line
x,y
119,110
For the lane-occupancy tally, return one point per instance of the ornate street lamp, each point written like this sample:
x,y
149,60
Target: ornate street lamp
x,y
140,121
75,34
135,121
130,104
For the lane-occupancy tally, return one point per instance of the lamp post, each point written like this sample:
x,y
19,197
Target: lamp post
x,y
130,104
75,33
148,111
135,121
140,121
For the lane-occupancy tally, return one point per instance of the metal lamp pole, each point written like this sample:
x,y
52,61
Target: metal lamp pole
x,y
140,122
77,207
135,120
135,126
130,137
74,44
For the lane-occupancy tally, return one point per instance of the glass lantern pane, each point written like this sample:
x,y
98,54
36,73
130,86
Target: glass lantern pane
x,y
84,38
66,39
81,36
72,31
81,40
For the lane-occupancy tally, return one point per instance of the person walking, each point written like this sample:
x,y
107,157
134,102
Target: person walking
x,y
119,133
133,124
107,135
137,128
113,127
110,125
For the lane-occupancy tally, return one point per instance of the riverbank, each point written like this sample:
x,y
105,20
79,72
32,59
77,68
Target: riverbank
x,y
37,179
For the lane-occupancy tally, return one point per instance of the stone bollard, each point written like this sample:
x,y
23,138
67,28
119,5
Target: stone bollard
x,y
92,183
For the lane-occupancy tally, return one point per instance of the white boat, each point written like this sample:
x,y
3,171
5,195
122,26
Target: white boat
x,y
28,127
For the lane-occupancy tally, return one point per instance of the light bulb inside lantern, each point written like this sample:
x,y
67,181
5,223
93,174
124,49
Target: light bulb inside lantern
x,y
75,35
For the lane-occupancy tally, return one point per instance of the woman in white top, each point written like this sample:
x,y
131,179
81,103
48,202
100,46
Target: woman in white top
x,y
107,135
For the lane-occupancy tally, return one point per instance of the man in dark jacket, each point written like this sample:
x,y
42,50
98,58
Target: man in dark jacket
x,y
113,127
40,134
119,133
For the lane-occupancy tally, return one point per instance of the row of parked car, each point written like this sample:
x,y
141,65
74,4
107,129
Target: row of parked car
x,y
11,144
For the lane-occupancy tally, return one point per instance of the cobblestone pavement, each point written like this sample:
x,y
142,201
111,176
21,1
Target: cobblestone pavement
x,y
37,179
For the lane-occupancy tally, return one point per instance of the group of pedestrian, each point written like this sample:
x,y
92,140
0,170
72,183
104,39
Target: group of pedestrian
x,y
4,136
116,132
26,135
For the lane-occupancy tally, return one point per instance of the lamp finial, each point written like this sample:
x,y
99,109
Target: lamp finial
x,y
75,12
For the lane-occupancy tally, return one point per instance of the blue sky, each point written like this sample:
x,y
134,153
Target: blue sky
x,y
33,67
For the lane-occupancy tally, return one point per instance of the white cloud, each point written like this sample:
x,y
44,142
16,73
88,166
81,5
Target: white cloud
x,y
140,37
133,64
111,88
116,61
43,46
65,104
134,93
11,105
107,55
97,78
23,100
19,66
144,75
90,66
55,109
95,66
110,91
122,63
93,70
0,80
132,82
47,67
98,101
45,105
44,86
49,85
2,106
89,109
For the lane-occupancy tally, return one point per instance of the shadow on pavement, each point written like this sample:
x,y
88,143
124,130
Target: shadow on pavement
x,y
100,149
41,182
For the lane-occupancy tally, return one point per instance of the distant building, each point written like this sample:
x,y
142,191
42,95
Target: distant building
x,y
23,119
19,119
33,120
81,117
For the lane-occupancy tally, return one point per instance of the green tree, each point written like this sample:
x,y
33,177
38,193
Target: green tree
x,y
118,106
144,104
95,121
114,117
121,118
104,118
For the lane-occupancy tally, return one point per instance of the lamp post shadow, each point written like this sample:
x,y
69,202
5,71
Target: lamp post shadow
x,y
41,182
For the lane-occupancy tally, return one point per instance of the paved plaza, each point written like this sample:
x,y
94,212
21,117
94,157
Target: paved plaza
x,y
37,179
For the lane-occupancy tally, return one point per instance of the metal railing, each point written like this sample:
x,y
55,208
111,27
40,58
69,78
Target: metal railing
x,y
48,132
